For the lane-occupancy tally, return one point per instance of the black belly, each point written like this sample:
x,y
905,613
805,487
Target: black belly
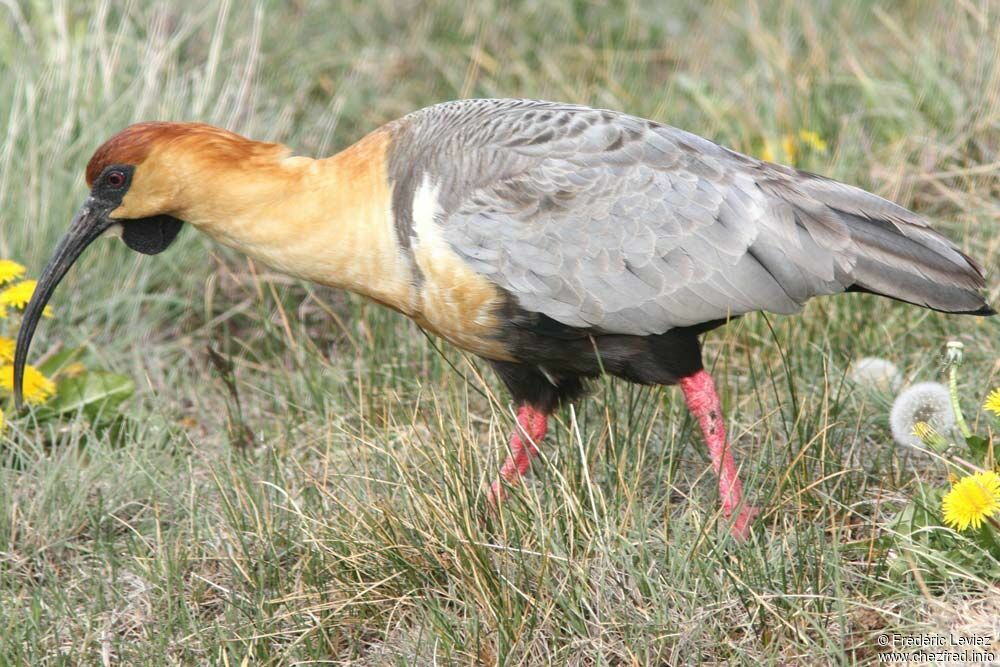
x,y
554,360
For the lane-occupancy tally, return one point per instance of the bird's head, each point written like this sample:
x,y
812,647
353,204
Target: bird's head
x,y
140,188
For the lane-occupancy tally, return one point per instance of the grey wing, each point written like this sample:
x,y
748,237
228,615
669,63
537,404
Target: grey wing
x,y
606,221
633,251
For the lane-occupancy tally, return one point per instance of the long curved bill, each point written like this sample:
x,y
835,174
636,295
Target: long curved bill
x,y
86,226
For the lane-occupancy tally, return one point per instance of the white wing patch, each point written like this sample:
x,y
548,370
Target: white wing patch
x,y
426,210
456,302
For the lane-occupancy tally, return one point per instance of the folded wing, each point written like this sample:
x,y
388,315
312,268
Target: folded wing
x,y
613,223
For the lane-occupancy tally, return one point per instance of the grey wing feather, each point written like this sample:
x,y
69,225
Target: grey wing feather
x,y
606,221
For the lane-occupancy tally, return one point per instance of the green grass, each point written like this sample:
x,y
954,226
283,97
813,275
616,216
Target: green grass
x,y
350,528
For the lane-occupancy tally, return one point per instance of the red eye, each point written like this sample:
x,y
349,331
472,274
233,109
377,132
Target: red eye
x,y
115,179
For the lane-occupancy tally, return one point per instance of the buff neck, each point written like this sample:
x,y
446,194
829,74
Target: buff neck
x,y
328,221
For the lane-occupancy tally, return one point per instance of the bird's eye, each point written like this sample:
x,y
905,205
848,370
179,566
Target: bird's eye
x,y
115,179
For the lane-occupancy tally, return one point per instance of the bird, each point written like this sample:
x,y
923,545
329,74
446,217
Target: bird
x,y
558,242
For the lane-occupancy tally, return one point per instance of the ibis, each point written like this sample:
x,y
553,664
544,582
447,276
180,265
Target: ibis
x,y
556,241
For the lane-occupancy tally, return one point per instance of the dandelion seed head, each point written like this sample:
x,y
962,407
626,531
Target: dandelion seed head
x,y
927,402
876,373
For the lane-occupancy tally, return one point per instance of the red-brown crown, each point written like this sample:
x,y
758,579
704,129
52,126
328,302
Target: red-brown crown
x,y
132,145
136,142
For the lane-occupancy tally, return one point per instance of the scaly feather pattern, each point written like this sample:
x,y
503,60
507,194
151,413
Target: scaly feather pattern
x,y
620,225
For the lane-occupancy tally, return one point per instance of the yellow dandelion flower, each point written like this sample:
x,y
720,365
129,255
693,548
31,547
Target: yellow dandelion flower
x,y
923,430
767,153
971,500
10,270
790,148
6,349
930,436
992,402
37,387
812,140
18,295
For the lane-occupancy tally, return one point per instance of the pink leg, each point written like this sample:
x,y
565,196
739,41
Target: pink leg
x,y
531,427
703,402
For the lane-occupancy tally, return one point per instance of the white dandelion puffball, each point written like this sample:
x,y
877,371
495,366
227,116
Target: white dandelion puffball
x,y
922,402
876,373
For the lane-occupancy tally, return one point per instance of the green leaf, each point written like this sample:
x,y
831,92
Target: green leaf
x,y
97,394
921,513
978,446
903,521
60,360
988,539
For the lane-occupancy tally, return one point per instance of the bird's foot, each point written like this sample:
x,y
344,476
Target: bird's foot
x,y
532,425
740,527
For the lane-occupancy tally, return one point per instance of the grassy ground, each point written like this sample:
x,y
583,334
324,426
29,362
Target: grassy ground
x,y
346,528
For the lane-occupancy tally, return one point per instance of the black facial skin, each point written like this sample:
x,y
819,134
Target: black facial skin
x,y
151,236
146,235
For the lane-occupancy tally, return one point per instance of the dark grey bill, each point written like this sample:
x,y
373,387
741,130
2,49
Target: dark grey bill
x,y
88,224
